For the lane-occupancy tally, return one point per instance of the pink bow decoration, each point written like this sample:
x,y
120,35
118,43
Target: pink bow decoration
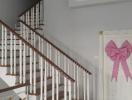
x,y
119,56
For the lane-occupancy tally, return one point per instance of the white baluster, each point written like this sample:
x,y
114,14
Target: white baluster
x,y
69,82
14,54
31,70
31,17
53,83
27,16
24,63
11,54
41,11
88,96
45,81
77,83
68,65
65,65
27,38
34,16
57,85
69,88
65,88
2,48
57,75
41,78
84,84
41,48
37,14
20,61
20,27
58,63
34,72
5,45
74,71
34,43
47,54
23,17
32,20
50,57
65,80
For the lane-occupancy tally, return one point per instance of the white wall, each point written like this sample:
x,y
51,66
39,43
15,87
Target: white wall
x,y
10,9
78,28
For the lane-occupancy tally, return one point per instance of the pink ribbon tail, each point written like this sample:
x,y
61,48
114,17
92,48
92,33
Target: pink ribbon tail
x,y
115,70
126,70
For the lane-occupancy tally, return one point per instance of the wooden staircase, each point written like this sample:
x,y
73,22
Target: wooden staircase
x,y
46,71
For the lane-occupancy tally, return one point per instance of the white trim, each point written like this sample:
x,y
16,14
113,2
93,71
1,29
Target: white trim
x,y
101,86
79,3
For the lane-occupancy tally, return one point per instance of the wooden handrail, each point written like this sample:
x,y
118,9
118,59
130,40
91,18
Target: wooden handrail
x,y
13,87
28,8
55,46
38,52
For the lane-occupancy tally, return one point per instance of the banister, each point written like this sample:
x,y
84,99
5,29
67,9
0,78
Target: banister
x,y
34,49
55,46
28,8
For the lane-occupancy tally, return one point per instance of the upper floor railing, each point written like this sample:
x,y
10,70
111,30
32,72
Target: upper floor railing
x,y
34,15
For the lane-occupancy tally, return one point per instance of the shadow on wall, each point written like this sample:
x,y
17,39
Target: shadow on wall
x,y
10,9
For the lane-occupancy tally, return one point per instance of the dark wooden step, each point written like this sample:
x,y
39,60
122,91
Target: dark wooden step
x,y
13,87
61,96
9,39
49,88
17,65
28,63
14,39
38,79
10,44
27,72
8,57
4,65
10,50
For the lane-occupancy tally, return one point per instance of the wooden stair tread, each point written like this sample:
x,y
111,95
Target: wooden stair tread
x,y
61,95
8,44
8,57
49,87
4,65
13,87
27,72
10,50
9,39
38,79
8,65
28,63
